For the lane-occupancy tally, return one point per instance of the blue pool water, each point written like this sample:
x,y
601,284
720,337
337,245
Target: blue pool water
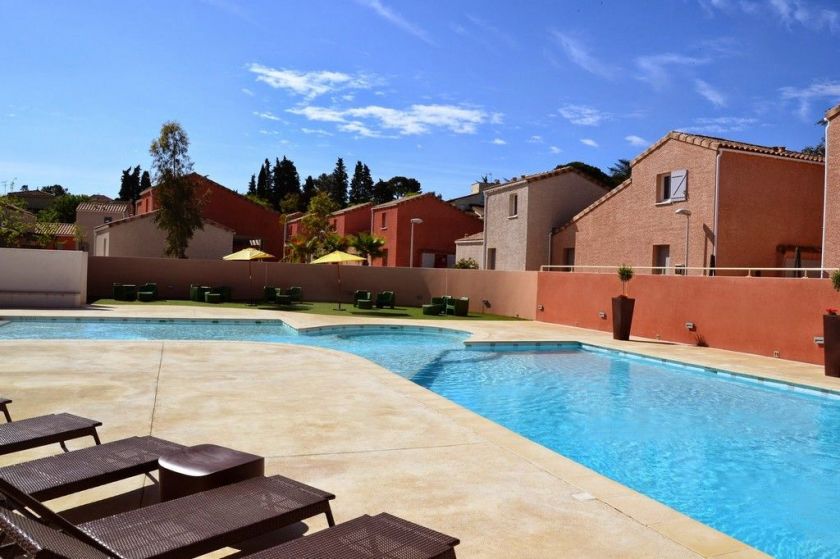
x,y
756,462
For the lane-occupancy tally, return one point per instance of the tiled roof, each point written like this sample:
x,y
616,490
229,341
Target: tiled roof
x,y
474,237
110,207
713,143
32,194
352,208
399,201
526,179
832,112
153,213
56,229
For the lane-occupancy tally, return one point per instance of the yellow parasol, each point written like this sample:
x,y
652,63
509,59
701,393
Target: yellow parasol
x,y
250,254
338,257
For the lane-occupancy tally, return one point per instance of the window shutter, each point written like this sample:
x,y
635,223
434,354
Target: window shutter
x,y
679,184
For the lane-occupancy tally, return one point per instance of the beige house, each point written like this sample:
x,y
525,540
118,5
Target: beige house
x,y
471,246
90,215
520,216
139,236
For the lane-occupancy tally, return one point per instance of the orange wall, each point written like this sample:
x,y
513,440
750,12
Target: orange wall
x,y
832,210
752,315
352,221
766,202
509,293
442,225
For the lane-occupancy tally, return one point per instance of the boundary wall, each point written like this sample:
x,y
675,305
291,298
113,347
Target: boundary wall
x,y
43,278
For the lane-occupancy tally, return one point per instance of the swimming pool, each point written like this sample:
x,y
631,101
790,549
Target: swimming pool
x,y
756,462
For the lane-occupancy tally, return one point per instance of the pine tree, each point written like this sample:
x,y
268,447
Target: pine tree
x,y
356,187
308,192
125,185
262,181
145,181
252,186
338,190
289,181
367,184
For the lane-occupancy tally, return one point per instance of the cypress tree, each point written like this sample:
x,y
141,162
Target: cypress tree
x,y
289,180
307,193
338,191
356,188
262,181
274,194
145,181
125,185
252,185
367,184
135,184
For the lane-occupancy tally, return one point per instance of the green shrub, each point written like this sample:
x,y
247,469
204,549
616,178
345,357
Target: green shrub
x,y
835,279
467,264
625,274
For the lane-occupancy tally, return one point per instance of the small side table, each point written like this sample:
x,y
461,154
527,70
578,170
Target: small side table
x,y
205,466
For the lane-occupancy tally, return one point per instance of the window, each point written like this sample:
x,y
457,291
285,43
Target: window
x,y
672,187
491,259
568,259
513,205
384,221
108,220
661,258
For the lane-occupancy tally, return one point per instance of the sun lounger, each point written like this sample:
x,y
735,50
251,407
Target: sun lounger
x,y
56,476
181,528
46,429
4,406
379,537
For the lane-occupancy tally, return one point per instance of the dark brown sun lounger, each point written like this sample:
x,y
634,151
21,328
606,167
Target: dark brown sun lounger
x,y
4,407
368,537
45,429
56,476
177,529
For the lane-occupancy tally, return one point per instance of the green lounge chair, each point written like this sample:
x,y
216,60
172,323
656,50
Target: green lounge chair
x,y
385,299
269,293
147,292
362,295
296,294
458,307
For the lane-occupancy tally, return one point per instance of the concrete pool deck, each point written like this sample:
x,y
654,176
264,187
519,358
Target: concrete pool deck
x,y
375,439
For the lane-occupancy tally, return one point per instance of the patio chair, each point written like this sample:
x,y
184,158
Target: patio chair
x,y
57,476
4,406
380,536
458,307
363,297
187,527
44,430
295,294
269,293
147,292
385,299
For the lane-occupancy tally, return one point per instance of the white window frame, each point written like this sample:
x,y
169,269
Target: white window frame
x,y
677,186
513,205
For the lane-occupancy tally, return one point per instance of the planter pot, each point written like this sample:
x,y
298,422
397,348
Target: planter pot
x,y
831,344
622,316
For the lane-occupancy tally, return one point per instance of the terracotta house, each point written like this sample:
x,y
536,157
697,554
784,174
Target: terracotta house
x,y
750,206
434,238
139,236
520,215
249,220
352,220
90,215
62,235
831,242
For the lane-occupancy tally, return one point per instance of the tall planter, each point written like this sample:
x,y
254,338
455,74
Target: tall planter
x,y
622,316
831,344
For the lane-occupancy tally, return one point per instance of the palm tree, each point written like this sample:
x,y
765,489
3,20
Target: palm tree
x,y
620,172
367,245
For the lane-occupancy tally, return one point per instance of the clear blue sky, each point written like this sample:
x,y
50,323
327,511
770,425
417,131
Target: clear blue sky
x,y
441,91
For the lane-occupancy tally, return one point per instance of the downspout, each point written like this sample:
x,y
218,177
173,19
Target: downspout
x,y
550,237
717,206
825,200
484,233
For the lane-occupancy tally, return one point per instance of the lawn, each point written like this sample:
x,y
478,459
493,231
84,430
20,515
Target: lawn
x,y
322,308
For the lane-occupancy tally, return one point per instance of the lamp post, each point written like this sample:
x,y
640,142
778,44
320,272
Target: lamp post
x,y
414,221
687,214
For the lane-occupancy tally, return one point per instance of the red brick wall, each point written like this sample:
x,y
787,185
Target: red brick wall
x,y
442,225
353,221
832,210
753,315
766,202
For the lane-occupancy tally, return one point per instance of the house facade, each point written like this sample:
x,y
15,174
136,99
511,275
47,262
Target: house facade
x,y
740,205
34,200
249,220
139,236
831,242
434,238
90,215
519,216
352,220
471,246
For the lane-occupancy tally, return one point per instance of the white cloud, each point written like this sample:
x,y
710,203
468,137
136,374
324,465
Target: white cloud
x,y
804,96
398,20
804,13
579,54
498,142
721,124
247,92
269,132
486,28
308,84
655,68
583,115
267,115
497,118
371,120
554,149
535,139
711,94
637,141
589,142
316,132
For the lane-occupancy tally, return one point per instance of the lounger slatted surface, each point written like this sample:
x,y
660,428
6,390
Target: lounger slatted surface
x,y
46,429
368,537
39,541
196,524
56,476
